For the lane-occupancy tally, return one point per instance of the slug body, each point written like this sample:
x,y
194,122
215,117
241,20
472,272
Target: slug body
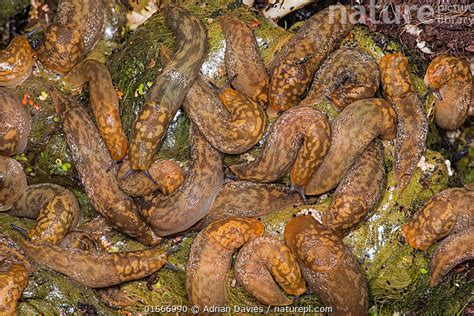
x,y
449,211
293,67
359,191
77,27
104,103
262,260
97,269
91,161
15,125
55,209
300,138
211,257
192,201
412,128
452,78
352,131
330,269
168,176
170,88
348,75
12,182
243,61
16,62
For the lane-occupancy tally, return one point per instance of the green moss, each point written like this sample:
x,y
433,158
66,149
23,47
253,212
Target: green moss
x,y
10,8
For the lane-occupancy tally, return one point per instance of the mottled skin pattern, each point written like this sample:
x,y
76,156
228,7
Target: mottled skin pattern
x,y
293,67
12,182
447,212
170,88
167,174
348,75
328,266
359,191
92,159
262,260
56,208
452,78
412,127
211,257
243,61
183,208
16,62
78,25
80,240
97,269
452,251
352,131
15,125
104,103
300,138
248,199
231,122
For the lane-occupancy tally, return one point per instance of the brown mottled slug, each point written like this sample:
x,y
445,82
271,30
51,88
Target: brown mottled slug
x,y
330,269
449,211
243,61
348,75
12,182
104,102
15,125
293,67
412,127
211,257
16,62
262,260
352,131
92,159
170,88
451,78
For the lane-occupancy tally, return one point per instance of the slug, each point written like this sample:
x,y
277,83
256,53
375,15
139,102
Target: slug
x,y
262,260
104,103
299,138
359,191
211,256
80,240
183,208
170,88
16,62
97,269
243,61
168,176
248,199
452,251
451,78
447,212
15,125
78,25
293,67
352,131
12,182
412,128
348,75
56,210
231,122
328,266
91,161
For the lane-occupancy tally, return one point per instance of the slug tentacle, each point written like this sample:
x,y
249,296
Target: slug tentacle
x,y
12,182
293,67
352,131
170,88
192,201
412,127
300,138
211,256
260,262
16,62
